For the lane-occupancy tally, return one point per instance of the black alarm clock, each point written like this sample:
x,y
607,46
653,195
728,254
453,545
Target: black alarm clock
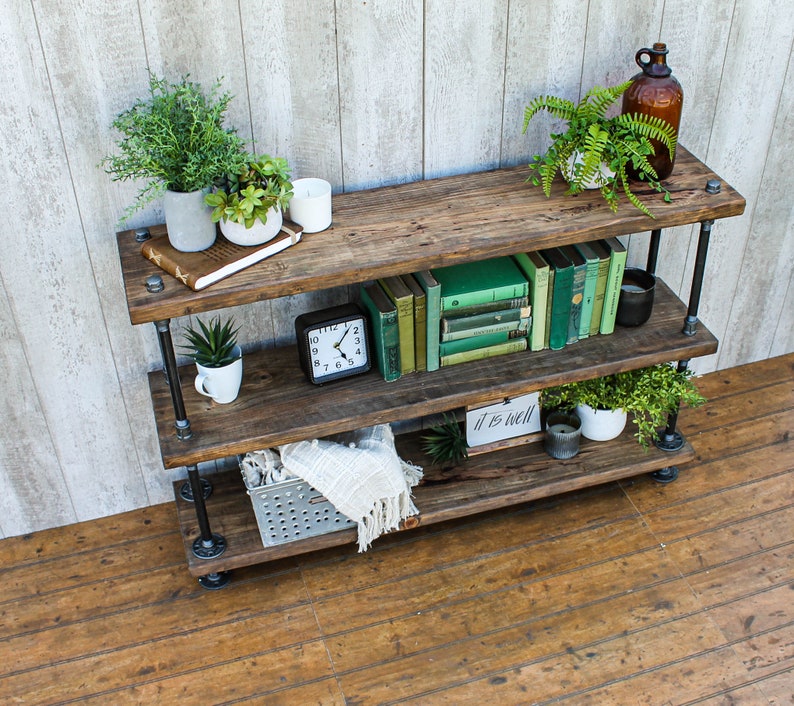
x,y
333,343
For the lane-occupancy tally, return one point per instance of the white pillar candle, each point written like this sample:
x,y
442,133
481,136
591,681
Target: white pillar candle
x,y
310,205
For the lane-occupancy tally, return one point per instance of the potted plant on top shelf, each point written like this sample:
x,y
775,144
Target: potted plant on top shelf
x,y
250,200
219,359
174,139
647,394
594,151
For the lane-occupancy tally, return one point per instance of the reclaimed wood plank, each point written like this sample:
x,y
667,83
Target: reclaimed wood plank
x,y
407,227
276,405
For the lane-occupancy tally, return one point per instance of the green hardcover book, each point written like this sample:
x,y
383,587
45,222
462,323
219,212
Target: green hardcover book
x,y
518,344
399,293
591,276
577,291
489,318
521,325
561,297
469,344
470,283
601,285
386,337
536,270
420,321
617,263
433,307
495,305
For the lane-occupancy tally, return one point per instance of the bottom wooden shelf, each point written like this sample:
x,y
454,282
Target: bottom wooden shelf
x,y
485,482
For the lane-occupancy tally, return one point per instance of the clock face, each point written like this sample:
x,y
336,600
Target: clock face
x,y
333,343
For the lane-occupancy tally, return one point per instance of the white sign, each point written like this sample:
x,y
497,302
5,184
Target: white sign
x,y
503,420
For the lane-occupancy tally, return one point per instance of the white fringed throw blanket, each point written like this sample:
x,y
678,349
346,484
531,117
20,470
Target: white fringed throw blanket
x,y
360,473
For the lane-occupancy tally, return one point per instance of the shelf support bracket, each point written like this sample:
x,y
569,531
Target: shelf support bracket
x,y
207,545
691,321
182,423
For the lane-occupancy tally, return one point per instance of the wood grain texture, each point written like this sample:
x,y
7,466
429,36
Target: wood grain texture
x,y
353,92
630,592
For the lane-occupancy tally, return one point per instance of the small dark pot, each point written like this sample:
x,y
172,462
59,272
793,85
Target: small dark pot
x,y
636,297
563,431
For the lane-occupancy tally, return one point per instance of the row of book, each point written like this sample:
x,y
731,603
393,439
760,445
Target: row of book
x,y
470,311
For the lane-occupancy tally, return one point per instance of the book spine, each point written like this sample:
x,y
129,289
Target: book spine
x,y
538,275
507,291
521,325
617,263
385,335
420,332
405,324
463,323
560,308
591,273
600,291
496,305
433,316
577,303
549,302
469,344
519,344
165,263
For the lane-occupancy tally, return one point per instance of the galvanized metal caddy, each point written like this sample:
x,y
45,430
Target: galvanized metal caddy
x,y
291,510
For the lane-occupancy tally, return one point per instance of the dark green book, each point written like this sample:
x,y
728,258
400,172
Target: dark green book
x,y
470,283
383,322
560,297
577,291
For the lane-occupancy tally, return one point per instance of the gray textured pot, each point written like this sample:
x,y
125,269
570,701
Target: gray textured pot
x,y
188,220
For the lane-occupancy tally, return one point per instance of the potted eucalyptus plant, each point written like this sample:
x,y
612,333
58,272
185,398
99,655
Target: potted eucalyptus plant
x,y
250,200
214,349
647,394
174,140
595,151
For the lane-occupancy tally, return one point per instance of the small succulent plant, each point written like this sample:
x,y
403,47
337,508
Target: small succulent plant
x,y
446,442
212,345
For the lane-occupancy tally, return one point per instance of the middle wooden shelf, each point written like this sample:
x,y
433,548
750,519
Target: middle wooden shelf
x,y
277,405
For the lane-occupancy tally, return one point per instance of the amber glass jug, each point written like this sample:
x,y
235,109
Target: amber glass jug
x,y
655,91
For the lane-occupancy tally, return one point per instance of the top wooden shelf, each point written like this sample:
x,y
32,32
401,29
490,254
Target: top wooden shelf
x,y
397,229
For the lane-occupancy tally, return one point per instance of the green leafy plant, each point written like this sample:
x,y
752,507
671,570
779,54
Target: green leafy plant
x,y
213,344
246,194
648,395
174,139
446,442
591,140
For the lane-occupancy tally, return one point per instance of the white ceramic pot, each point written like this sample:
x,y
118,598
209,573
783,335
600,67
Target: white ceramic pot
x,y
258,233
601,424
222,384
188,220
597,180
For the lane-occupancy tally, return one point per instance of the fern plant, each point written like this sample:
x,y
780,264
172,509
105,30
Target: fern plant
x,y
595,149
213,345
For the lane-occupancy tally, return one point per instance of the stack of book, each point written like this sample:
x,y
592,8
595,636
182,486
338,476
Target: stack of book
x,y
537,300
485,310
577,286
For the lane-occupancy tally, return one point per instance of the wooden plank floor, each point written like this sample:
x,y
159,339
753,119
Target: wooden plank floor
x,y
630,593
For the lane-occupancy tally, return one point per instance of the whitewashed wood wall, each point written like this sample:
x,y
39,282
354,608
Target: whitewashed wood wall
x,y
362,93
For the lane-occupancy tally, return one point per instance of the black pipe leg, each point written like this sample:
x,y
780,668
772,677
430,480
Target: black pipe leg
x,y
207,545
182,423
665,475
